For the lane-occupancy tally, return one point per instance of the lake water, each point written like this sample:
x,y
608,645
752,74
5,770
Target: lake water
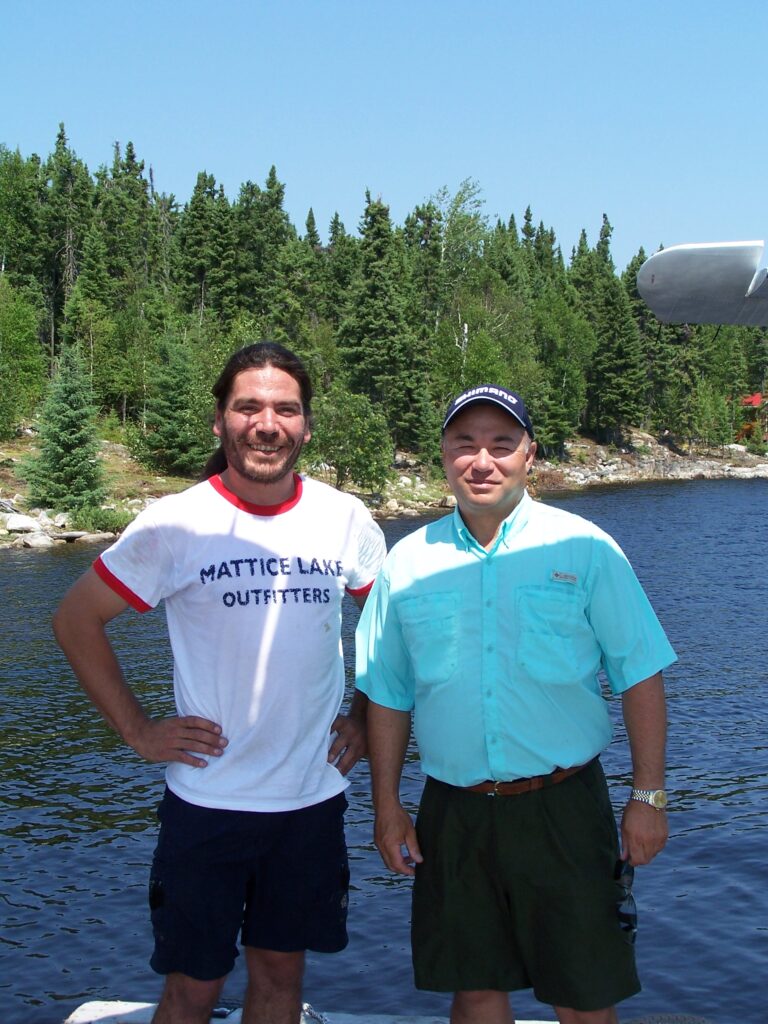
x,y
78,827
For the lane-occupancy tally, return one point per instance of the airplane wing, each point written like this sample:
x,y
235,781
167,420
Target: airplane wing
x,y
707,283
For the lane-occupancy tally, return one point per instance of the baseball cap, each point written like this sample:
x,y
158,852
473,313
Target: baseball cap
x,y
509,401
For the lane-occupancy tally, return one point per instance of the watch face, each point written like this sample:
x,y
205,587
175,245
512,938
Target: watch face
x,y
659,799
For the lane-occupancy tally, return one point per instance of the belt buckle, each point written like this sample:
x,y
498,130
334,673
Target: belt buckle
x,y
495,790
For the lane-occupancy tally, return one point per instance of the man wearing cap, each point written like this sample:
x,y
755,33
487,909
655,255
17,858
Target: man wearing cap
x,y
490,627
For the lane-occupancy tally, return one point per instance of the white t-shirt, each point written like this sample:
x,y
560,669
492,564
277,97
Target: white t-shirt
x,y
253,602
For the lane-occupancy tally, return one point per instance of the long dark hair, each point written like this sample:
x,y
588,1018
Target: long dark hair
x,y
254,357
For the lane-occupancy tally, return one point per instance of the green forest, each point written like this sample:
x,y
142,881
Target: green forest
x,y
145,296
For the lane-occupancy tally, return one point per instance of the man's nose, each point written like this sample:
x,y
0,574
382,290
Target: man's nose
x,y
266,422
483,459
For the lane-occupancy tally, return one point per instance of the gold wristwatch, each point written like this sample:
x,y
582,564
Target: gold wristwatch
x,y
655,797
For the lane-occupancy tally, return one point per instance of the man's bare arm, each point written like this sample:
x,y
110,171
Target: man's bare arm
x,y
644,829
388,735
79,624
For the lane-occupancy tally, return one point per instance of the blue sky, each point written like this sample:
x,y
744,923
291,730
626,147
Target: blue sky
x,y
651,112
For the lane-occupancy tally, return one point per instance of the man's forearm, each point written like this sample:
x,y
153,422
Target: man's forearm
x,y
645,718
93,661
79,625
388,735
644,829
394,834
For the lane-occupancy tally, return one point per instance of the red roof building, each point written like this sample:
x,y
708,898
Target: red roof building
x,y
755,416
753,401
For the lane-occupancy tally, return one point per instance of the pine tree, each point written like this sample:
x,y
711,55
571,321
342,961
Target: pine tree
x,y
65,218
87,319
207,253
94,280
22,366
564,347
712,420
21,243
222,285
423,235
528,231
312,237
756,355
297,301
616,388
123,382
162,254
549,260
247,219
342,262
87,315
657,341
603,247
295,297
197,246
123,213
585,274
262,227
379,350
503,254
178,437
67,474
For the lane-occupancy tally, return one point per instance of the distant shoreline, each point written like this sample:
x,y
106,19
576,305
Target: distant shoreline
x,y
587,465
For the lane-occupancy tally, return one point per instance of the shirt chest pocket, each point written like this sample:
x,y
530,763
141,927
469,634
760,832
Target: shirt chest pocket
x,y
430,627
555,640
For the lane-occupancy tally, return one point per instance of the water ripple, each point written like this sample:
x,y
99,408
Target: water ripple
x,y
78,823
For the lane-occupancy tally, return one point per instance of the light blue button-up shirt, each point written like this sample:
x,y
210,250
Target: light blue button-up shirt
x,y
498,652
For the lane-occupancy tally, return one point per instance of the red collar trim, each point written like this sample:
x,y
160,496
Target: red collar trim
x,y
258,510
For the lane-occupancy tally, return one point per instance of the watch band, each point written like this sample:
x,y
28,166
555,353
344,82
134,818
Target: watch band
x,y
655,797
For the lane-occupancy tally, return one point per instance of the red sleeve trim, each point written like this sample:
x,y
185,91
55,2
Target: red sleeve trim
x,y
360,591
120,588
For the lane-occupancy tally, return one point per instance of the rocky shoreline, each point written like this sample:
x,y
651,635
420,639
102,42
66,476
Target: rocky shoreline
x,y
591,465
409,495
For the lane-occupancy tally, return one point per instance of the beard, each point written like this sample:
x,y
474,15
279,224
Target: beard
x,y
245,460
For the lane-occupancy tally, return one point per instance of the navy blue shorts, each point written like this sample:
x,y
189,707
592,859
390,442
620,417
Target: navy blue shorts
x,y
279,879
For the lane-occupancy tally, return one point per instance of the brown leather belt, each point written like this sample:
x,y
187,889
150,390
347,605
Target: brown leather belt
x,y
491,788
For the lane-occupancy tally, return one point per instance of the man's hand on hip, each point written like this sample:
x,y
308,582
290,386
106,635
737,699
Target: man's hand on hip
x,y
179,739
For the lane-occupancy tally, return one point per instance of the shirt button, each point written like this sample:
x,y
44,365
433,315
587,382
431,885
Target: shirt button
x,y
489,648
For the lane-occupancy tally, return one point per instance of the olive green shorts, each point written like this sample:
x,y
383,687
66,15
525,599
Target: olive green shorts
x,y
519,892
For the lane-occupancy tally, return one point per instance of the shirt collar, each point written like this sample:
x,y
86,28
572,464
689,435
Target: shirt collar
x,y
510,526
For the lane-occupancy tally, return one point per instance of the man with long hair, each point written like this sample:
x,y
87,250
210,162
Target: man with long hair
x,y
252,563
